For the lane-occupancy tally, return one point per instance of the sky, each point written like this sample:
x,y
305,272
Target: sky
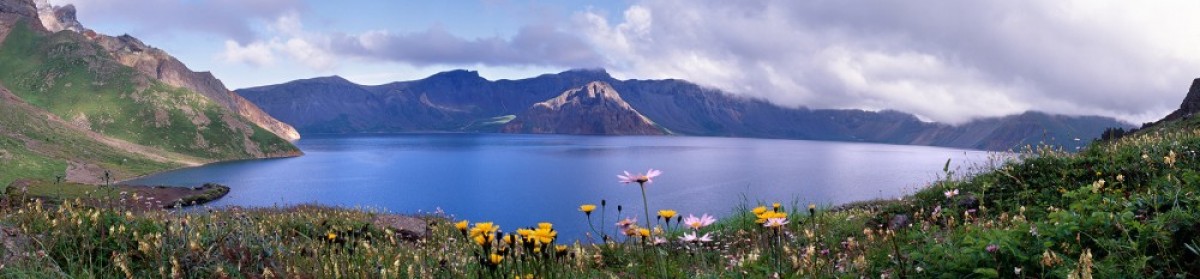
x,y
942,60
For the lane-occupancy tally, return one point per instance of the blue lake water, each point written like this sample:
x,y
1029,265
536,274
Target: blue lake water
x,y
520,180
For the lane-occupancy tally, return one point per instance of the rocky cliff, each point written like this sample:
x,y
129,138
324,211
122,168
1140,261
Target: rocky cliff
x,y
1190,105
594,109
159,65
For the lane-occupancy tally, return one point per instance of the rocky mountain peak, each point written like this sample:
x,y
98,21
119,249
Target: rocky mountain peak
x,y
594,109
593,93
459,74
19,8
1190,105
58,18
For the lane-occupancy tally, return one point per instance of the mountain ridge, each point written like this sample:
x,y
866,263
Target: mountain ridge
x,y
461,101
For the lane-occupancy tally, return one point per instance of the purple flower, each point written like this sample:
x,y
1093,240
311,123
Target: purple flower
x,y
639,178
993,248
697,223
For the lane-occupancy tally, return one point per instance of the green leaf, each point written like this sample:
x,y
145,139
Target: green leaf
x,y
987,272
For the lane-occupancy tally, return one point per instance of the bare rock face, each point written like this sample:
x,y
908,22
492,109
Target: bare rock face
x,y
1191,103
13,11
594,109
159,65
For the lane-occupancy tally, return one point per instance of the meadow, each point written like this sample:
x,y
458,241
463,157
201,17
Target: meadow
x,y
1120,209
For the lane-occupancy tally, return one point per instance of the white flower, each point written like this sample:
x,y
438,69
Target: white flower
x,y
951,193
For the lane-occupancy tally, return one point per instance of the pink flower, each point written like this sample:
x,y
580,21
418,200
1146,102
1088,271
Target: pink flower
x,y
627,223
691,237
697,223
659,240
775,222
951,193
639,178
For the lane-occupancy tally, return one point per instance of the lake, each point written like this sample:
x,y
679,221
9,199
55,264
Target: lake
x,y
520,180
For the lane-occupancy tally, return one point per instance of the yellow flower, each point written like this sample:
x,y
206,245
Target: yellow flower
x,y
461,226
560,248
587,208
525,233
644,232
666,214
483,228
495,259
331,236
544,234
759,210
545,225
776,206
762,218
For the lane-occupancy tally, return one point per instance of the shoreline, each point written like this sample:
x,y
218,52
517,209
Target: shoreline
x,y
298,153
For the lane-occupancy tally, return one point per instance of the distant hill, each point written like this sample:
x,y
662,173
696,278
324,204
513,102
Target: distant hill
x,y
462,101
77,104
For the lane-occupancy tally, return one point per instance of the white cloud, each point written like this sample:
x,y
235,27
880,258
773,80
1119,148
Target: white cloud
x,y
944,60
258,54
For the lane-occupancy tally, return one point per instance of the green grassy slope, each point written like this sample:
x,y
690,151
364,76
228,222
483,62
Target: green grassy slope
x,y
34,147
74,79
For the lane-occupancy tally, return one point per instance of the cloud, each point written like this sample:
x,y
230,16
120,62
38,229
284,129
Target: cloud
x,y
288,38
943,60
532,45
234,19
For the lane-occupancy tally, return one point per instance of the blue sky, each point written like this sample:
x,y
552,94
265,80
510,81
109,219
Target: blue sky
x,y
948,61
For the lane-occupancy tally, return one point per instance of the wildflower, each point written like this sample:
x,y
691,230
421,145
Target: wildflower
x,y
992,248
643,232
775,223
639,178
587,208
461,226
627,223
495,259
484,228
331,236
812,209
560,248
544,234
1096,186
762,218
691,237
759,210
1120,178
667,214
951,193
658,240
776,206
1017,270
697,223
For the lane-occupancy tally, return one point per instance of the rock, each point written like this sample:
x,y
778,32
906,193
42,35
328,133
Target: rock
x,y
1190,105
968,202
594,109
406,227
899,221
20,8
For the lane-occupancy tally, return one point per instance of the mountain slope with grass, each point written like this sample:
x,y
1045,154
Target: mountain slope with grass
x,y
463,101
94,114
